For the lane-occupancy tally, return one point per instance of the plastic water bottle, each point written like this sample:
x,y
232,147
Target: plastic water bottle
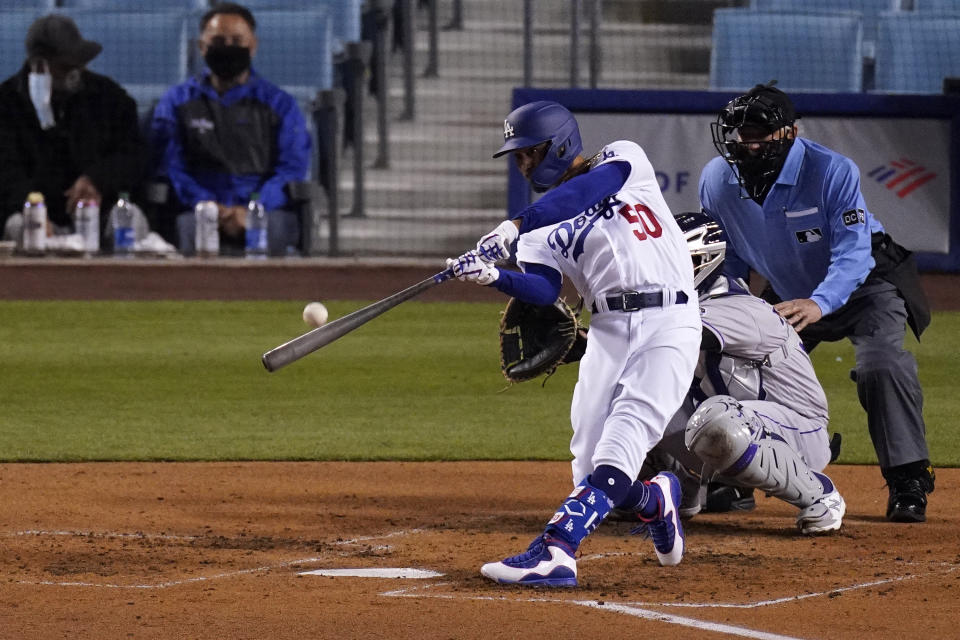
x,y
256,236
86,218
207,233
121,221
34,224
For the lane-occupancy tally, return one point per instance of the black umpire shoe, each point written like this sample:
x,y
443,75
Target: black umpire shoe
x,y
908,494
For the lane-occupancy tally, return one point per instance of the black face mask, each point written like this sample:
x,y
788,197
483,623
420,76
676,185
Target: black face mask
x,y
227,61
758,172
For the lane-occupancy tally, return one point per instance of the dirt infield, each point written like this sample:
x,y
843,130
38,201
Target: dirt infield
x,y
201,550
166,550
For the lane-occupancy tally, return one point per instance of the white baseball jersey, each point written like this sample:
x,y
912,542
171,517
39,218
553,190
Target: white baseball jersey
x,y
638,365
628,242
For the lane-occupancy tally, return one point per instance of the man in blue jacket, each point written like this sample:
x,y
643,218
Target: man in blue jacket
x,y
228,133
794,214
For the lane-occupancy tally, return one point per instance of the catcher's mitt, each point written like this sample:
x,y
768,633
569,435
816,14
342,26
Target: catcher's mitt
x,y
535,339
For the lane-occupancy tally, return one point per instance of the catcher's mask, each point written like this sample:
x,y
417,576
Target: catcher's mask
x,y
538,122
754,133
707,244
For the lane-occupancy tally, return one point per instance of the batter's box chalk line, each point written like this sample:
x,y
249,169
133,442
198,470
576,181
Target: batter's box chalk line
x,y
419,591
636,609
184,581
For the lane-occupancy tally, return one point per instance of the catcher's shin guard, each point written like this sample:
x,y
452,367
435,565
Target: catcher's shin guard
x,y
730,437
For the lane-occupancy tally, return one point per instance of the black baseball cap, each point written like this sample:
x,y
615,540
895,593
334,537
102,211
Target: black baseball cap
x,y
767,107
56,38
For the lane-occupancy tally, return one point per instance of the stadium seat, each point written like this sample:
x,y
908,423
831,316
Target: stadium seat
x,y
802,51
13,33
27,5
37,6
869,9
345,15
295,50
136,5
936,5
916,51
144,52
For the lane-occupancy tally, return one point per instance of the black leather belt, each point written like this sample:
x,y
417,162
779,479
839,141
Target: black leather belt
x,y
636,300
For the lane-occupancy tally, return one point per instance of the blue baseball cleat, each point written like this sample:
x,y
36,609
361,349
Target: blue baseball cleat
x,y
665,528
547,562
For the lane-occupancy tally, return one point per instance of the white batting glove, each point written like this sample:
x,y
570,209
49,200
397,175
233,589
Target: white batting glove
x,y
496,245
470,268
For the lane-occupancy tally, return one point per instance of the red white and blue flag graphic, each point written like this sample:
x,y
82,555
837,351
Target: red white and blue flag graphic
x,y
902,176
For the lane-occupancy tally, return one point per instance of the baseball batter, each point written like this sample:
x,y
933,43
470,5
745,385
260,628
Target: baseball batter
x,y
761,417
628,259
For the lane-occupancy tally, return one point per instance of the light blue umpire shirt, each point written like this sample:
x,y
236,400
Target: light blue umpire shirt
x,y
811,237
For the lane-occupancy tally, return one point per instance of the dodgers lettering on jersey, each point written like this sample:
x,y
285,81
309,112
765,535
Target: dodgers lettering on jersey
x,y
627,242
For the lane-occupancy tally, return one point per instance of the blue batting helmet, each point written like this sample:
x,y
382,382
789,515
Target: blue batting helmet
x,y
543,121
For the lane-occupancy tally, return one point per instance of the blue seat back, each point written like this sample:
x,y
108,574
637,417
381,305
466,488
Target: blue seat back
x,y
13,33
295,50
136,5
803,51
916,51
146,52
869,9
345,15
936,5
28,5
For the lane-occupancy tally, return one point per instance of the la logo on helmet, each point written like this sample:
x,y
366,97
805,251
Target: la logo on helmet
x,y
507,130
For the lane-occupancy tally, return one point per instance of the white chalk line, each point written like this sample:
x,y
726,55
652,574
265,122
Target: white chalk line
x,y
797,598
669,618
99,534
657,616
174,583
408,592
633,608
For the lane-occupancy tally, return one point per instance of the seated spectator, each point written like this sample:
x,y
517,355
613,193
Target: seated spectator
x,y
65,132
228,133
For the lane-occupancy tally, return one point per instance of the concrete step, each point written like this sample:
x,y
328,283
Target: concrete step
x,y
372,235
635,47
438,142
404,189
501,10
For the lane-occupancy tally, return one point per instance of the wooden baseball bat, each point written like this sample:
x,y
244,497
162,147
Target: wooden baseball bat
x,y
321,336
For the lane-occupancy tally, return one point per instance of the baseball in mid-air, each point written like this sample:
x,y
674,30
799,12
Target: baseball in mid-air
x,y
315,314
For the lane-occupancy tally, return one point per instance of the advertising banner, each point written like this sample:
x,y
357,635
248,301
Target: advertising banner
x,y
904,163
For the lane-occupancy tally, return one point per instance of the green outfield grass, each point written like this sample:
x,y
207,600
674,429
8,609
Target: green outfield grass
x,y
183,381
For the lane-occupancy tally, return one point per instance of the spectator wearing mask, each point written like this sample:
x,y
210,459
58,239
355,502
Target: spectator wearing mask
x,y
228,133
65,132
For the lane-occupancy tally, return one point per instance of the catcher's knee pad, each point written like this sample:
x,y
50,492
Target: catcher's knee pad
x,y
720,430
731,439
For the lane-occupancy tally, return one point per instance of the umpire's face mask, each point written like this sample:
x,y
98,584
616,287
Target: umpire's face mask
x,y
227,61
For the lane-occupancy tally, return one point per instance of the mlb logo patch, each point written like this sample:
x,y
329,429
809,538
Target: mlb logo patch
x,y
809,235
854,216
203,125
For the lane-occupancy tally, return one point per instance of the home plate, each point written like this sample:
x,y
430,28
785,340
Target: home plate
x,y
407,573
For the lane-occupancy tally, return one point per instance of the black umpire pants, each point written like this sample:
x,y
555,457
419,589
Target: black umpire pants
x,y
875,318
